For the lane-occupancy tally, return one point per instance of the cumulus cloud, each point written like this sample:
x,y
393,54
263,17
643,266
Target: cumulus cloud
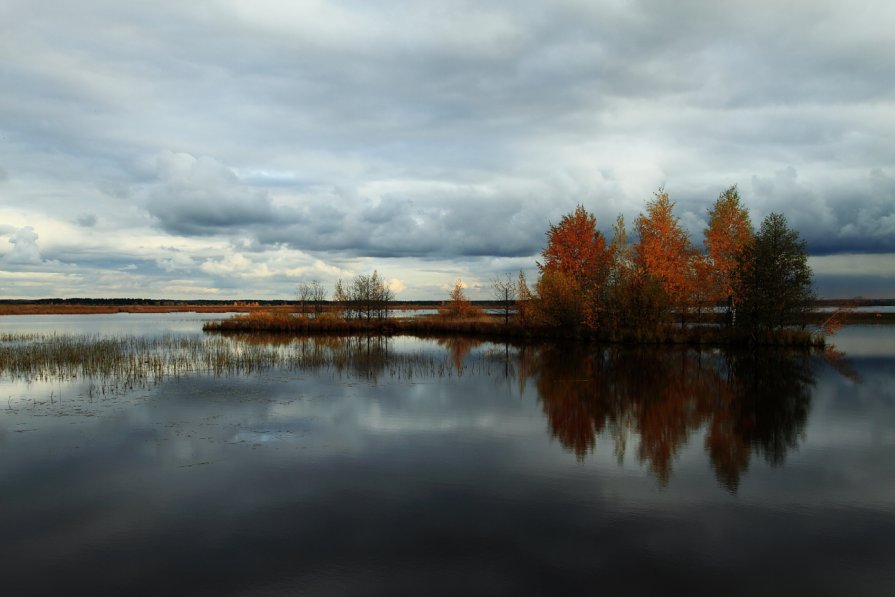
x,y
196,196
414,219
24,247
396,285
850,215
176,261
235,264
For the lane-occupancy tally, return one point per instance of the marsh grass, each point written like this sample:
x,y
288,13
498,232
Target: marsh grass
x,y
118,363
493,328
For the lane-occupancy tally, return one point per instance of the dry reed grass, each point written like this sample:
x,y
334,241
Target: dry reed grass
x,y
125,362
493,328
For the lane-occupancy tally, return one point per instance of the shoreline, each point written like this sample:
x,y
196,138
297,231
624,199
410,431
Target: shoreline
x,y
15,308
495,329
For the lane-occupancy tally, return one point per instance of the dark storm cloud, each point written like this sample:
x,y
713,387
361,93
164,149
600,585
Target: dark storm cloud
x,y
438,224
200,196
445,129
841,218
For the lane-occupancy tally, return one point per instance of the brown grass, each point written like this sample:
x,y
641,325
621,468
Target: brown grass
x,y
489,327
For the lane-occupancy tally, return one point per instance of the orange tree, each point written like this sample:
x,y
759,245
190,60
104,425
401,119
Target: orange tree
x,y
665,253
574,270
729,230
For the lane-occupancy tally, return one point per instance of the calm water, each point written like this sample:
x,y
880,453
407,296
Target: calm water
x,y
455,468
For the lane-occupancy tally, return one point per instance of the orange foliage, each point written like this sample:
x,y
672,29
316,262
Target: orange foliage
x,y
665,251
560,299
575,269
459,305
729,230
576,248
747,404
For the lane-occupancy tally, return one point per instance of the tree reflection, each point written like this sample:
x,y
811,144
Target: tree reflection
x,y
744,403
459,348
747,402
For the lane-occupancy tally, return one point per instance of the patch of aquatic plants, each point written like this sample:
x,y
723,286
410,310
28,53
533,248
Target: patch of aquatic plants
x,y
130,360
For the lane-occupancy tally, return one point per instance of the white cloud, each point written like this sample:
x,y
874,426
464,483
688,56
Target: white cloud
x,y
396,285
24,247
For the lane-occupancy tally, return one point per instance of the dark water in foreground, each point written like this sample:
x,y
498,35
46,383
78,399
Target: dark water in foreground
x,y
413,467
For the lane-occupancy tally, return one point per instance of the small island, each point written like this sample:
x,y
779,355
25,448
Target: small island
x,y
745,287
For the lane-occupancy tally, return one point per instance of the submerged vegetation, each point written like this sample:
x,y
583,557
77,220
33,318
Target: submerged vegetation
x,y
745,287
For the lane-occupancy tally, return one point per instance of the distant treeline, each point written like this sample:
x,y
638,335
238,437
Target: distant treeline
x,y
121,302
116,302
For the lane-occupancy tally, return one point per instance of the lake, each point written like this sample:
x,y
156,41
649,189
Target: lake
x,y
275,466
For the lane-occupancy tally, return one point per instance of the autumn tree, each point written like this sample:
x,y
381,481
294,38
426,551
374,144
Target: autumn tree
x,y
576,261
560,299
620,279
729,230
665,253
459,305
773,283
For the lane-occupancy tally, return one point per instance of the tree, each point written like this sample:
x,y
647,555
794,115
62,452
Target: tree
x,y
729,230
665,252
504,291
773,283
459,305
620,281
312,292
341,298
304,295
368,297
523,297
560,300
576,248
576,262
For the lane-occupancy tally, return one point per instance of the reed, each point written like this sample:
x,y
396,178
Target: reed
x,y
125,362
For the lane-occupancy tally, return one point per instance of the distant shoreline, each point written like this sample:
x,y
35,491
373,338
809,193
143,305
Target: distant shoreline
x,y
43,307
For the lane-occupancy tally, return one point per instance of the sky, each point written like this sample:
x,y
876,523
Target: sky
x,y
236,148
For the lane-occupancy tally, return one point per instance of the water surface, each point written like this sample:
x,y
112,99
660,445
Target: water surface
x,y
454,467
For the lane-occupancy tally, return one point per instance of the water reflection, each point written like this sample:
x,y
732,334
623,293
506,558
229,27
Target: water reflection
x,y
749,403
649,399
405,466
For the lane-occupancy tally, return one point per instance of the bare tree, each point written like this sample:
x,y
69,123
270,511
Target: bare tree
x,y
313,294
342,299
523,297
304,295
368,297
317,297
504,291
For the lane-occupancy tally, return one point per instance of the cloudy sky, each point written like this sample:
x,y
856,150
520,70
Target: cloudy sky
x,y
233,148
